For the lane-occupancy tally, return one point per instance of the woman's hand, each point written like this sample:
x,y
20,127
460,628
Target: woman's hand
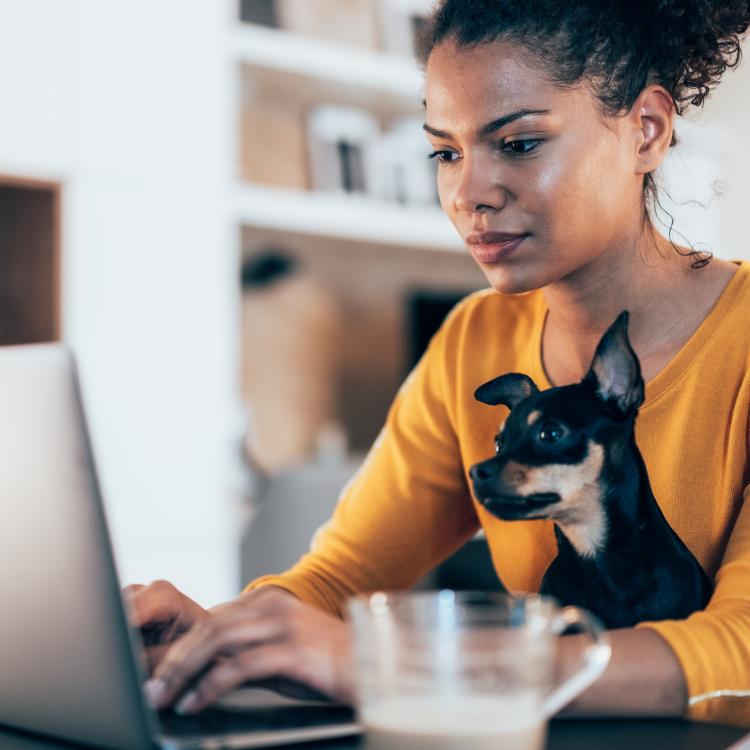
x,y
263,636
162,614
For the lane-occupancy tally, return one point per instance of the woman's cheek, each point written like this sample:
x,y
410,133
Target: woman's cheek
x,y
445,193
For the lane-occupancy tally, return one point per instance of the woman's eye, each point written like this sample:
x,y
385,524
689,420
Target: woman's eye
x,y
444,157
498,444
551,433
521,147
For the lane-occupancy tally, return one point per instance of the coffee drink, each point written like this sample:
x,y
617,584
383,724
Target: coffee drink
x,y
458,723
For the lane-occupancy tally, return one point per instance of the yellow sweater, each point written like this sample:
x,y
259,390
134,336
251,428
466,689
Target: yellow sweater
x,y
410,506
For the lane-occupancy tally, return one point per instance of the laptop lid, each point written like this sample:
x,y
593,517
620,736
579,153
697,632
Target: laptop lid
x,y
66,656
68,665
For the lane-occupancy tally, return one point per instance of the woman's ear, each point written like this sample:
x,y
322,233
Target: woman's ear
x,y
652,116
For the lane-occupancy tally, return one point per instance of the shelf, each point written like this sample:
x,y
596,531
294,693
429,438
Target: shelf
x,y
385,80
350,217
302,72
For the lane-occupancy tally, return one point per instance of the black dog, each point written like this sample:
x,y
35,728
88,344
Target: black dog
x,y
569,454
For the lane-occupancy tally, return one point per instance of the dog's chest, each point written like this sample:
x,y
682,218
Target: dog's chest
x,y
631,586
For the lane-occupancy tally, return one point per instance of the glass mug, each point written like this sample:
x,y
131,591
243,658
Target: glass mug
x,y
446,670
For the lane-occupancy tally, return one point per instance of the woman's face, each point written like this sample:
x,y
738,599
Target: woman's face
x,y
561,178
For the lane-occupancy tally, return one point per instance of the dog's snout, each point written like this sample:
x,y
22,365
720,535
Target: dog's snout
x,y
480,472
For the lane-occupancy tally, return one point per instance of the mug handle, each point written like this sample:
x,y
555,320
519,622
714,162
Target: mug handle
x,y
595,657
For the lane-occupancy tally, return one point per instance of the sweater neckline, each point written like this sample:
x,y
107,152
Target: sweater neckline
x,y
672,372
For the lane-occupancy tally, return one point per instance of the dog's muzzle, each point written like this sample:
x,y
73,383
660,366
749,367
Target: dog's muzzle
x,y
502,500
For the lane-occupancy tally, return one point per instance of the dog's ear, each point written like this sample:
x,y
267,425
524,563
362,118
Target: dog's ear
x,y
615,373
508,390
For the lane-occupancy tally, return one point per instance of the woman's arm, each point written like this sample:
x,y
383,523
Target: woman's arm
x,y
643,678
267,633
407,508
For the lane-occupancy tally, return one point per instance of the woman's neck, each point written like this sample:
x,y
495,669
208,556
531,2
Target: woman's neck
x,y
667,300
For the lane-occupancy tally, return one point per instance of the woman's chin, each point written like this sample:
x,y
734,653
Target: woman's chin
x,y
511,280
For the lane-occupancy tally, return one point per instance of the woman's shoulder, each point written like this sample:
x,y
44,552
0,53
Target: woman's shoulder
x,y
731,336
732,310
741,282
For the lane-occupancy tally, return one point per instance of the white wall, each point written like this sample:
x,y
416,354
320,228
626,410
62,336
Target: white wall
x,y
151,280
130,106
731,111
33,49
714,147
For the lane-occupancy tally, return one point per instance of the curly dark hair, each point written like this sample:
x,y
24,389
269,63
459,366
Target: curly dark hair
x,y
618,46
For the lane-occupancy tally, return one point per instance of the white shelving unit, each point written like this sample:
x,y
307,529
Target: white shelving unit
x,y
370,255
362,69
311,71
345,216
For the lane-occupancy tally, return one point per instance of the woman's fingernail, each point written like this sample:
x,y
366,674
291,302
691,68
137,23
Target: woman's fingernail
x,y
188,704
155,691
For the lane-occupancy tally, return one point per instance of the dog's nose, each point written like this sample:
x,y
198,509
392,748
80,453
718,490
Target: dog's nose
x,y
480,472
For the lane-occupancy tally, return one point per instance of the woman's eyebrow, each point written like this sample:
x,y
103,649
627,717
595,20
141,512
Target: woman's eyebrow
x,y
490,127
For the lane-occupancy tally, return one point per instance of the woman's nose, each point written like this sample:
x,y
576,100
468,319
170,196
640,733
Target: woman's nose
x,y
479,188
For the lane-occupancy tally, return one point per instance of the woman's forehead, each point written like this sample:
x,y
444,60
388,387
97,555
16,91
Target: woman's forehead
x,y
499,65
483,79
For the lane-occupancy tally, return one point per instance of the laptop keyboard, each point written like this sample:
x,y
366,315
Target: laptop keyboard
x,y
228,720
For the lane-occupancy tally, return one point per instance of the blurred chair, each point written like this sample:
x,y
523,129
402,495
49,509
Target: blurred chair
x,y
293,505
290,507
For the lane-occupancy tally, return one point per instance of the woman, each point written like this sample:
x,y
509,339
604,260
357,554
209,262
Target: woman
x,y
549,120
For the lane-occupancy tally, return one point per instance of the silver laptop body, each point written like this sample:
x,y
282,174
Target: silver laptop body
x,y
69,663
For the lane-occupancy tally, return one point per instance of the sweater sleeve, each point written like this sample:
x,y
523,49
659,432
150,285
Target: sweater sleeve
x,y
407,508
713,645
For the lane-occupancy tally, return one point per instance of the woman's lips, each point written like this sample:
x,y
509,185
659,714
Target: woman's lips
x,y
492,247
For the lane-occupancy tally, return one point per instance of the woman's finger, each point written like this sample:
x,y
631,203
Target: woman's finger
x,y
128,594
158,602
304,668
201,645
132,588
154,655
254,664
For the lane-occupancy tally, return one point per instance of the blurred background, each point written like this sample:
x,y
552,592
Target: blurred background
x,y
225,209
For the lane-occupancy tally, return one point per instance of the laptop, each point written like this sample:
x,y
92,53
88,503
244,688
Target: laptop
x,y
70,666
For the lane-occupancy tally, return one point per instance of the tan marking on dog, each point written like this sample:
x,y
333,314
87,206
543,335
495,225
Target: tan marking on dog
x,y
533,417
579,512
514,473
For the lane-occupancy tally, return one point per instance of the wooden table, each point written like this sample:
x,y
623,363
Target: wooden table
x,y
565,734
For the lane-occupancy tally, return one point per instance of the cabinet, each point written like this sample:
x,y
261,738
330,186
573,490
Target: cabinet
x,y
29,261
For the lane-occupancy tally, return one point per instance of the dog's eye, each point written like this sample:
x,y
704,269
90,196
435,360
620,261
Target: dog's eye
x,y
499,439
499,442
551,432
